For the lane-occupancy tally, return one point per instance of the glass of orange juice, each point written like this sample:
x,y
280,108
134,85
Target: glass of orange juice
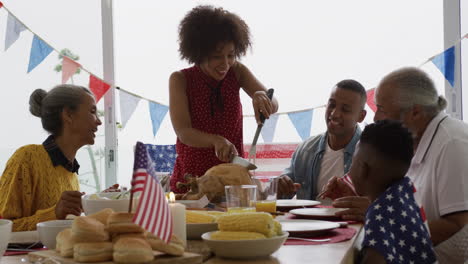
x,y
267,189
240,198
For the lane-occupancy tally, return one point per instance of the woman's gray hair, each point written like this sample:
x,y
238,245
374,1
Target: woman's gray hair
x,y
415,87
49,105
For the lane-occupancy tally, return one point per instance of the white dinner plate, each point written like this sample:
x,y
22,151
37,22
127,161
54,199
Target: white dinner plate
x,y
318,213
188,203
288,204
307,228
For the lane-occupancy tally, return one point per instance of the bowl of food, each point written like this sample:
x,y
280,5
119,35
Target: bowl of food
x,y
117,201
199,222
244,248
5,233
196,230
48,231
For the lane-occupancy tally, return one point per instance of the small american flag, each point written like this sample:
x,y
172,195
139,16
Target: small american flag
x,y
152,212
163,155
395,226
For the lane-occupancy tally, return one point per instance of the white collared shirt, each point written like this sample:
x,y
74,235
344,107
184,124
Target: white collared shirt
x,y
439,169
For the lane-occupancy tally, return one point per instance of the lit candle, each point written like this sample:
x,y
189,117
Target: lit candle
x,y
178,218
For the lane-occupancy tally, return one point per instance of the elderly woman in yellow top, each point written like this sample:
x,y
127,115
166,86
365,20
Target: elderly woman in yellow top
x,y
40,181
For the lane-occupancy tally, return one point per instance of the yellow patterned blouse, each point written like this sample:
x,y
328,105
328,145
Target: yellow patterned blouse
x,y
31,186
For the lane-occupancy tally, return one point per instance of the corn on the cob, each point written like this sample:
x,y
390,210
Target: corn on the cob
x,y
278,229
232,235
248,222
215,213
195,217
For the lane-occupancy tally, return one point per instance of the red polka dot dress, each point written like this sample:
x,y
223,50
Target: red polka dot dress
x,y
215,108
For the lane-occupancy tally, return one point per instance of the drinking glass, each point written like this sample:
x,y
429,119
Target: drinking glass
x,y
267,189
240,198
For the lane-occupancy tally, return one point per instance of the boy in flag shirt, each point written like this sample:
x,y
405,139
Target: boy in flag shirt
x,y
394,224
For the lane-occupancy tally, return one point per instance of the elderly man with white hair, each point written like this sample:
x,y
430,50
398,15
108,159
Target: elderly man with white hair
x,y
439,168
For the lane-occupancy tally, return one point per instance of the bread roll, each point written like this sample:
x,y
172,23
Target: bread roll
x,y
65,243
102,215
176,240
174,247
132,250
93,252
85,229
122,223
116,237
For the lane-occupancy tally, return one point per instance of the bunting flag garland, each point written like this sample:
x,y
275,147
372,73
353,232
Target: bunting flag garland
x,y
445,62
13,30
39,51
370,99
302,121
69,68
269,127
157,112
98,87
128,104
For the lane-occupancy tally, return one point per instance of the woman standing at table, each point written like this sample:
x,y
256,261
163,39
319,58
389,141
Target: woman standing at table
x,y
40,181
205,106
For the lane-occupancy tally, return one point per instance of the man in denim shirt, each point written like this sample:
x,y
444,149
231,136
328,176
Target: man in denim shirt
x,y
321,157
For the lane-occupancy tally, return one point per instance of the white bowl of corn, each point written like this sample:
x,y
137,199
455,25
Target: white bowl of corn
x,y
244,248
245,235
199,222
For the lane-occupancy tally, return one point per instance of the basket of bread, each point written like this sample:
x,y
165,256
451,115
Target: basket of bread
x,y
112,236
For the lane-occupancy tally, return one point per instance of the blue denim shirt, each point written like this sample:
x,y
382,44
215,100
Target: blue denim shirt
x,y
307,159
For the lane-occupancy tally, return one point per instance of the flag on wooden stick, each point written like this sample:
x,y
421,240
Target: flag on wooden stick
x,y
153,211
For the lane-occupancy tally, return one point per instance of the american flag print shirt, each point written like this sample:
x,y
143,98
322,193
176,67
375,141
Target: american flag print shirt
x,y
395,226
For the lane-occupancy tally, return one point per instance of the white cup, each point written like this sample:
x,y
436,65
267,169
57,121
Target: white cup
x,y
5,234
49,230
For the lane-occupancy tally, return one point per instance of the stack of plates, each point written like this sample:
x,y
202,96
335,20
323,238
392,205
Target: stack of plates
x,y
307,228
285,205
318,213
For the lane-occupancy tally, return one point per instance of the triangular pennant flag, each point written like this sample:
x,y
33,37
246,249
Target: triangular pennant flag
x,y
157,112
370,99
39,51
1,4
302,121
98,87
69,68
445,62
128,104
269,127
13,30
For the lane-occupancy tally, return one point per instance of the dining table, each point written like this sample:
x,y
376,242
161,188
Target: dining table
x,y
341,252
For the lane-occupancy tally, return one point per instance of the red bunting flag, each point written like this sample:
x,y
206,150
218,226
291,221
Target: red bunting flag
x,y
1,4
98,87
69,68
370,99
